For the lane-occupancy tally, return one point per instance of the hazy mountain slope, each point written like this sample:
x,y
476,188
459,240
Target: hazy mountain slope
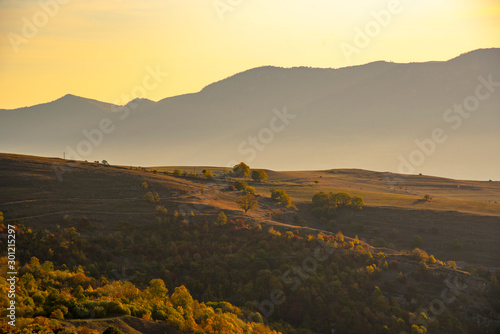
x,y
362,116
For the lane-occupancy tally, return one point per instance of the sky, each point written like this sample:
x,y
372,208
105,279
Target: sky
x,y
116,50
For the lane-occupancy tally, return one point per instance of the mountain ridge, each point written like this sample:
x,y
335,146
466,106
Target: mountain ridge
x,y
367,116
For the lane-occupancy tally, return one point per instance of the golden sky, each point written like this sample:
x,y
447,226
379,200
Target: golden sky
x,y
105,49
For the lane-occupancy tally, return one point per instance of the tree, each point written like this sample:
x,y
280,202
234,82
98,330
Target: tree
x,y
259,175
357,203
247,202
208,174
105,162
340,200
222,218
320,199
241,170
152,197
279,195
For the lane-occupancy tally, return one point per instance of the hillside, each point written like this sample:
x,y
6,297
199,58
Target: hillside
x,y
94,216
367,116
41,191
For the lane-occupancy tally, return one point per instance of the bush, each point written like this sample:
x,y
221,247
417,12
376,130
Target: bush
x,y
259,175
152,197
161,210
427,198
251,190
208,174
279,195
240,185
177,172
57,314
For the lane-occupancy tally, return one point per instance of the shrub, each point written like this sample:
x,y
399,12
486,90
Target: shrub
x,y
152,197
251,190
144,185
282,197
57,314
208,174
161,210
177,172
259,175
427,198
240,185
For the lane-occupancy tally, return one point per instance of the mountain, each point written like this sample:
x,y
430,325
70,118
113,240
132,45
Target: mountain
x,y
379,116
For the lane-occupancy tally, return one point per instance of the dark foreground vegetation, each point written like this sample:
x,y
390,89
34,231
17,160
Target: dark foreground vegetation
x,y
220,270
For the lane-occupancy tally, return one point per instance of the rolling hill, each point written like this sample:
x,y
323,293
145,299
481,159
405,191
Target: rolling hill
x,y
94,223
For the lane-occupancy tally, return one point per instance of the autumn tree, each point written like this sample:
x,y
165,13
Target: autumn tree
x,y
221,219
241,170
357,203
279,195
259,175
247,202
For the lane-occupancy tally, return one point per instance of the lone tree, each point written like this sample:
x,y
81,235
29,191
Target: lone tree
x,y
259,175
241,170
221,219
247,202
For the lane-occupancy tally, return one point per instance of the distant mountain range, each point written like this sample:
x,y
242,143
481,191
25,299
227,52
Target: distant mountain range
x,y
440,118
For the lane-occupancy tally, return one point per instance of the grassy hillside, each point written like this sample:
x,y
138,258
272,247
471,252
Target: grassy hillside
x,y
131,224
